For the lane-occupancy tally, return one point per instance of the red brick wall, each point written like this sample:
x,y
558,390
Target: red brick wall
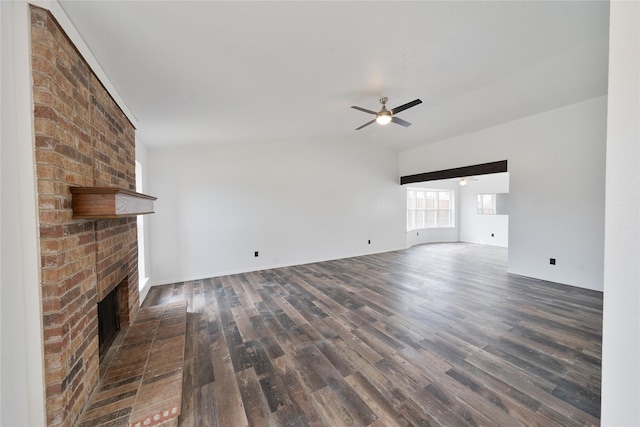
x,y
83,139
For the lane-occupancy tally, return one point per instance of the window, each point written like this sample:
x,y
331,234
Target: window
x,y
429,208
487,204
142,272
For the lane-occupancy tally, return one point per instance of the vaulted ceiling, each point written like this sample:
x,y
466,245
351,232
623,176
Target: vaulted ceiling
x,y
237,72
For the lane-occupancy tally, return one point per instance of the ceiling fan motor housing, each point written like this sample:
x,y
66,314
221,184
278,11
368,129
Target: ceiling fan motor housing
x,y
384,116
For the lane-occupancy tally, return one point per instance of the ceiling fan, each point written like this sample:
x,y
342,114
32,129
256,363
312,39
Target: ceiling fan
x,y
385,116
464,180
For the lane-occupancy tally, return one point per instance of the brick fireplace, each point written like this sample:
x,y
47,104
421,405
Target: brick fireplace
x,y
82,139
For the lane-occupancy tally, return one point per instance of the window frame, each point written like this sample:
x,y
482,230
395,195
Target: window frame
x,y
486,204
431,216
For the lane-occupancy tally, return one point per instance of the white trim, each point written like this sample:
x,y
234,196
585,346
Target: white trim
x,y
143,287
29,211
30,223
1,259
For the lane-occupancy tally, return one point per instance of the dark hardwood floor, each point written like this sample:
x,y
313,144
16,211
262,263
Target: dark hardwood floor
x,y
435,335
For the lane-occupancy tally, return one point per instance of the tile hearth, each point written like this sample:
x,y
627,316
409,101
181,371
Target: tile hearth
x,y
141,382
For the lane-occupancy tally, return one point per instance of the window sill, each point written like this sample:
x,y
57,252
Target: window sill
x,y
431,228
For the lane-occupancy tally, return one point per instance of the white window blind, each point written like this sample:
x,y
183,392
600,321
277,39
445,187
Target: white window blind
x,y
429,208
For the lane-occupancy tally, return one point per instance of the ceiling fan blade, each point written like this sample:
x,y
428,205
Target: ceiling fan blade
x,y
405,106
400,122
366,124
364,109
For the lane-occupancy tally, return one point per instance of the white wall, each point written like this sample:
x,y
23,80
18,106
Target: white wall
x,y
556,164
483,229
293,202
21,356
432,235
621,317
436,235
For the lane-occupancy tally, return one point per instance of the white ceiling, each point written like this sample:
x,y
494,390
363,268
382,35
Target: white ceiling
x,y
214,72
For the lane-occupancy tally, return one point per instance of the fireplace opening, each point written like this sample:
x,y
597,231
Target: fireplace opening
x,y
108,320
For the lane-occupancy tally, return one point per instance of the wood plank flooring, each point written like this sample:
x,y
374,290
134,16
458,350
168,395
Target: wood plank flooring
x,y
436,335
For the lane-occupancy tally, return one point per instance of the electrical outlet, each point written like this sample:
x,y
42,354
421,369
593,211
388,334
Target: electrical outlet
x,y
552,261
255,254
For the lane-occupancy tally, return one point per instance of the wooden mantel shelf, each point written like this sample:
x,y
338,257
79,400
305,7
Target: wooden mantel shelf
x,y
109,202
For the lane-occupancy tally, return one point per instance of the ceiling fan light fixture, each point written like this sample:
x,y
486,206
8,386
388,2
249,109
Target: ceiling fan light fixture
x,y
383,118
